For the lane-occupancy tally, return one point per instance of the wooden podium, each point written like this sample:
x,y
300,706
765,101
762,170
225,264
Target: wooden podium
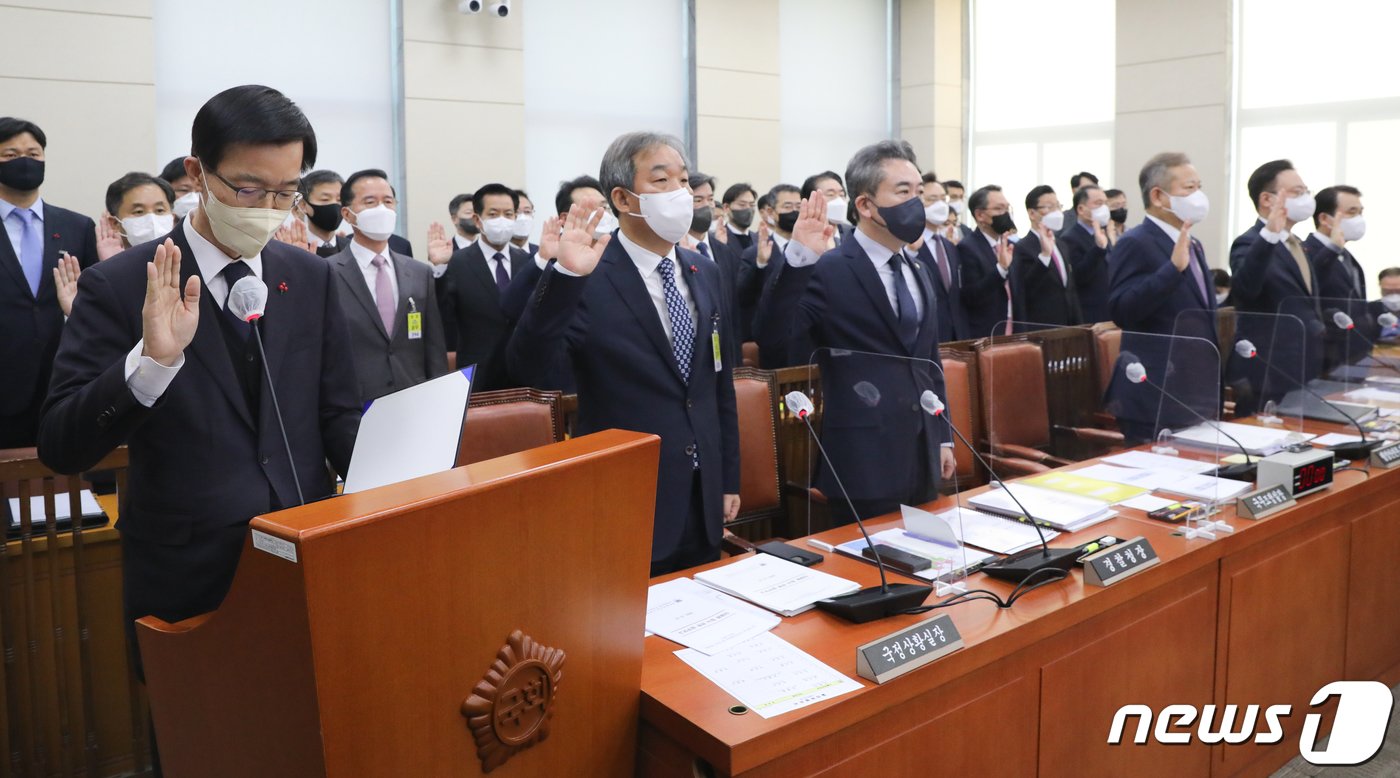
x,y
486,618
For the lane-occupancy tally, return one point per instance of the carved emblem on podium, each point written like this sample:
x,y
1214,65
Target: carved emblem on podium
x,y
509,709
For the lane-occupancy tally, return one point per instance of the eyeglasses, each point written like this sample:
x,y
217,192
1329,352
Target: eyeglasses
x,y
254,197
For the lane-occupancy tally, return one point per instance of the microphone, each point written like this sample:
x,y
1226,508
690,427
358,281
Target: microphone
x,y
1022,564
876,602
1387,319
1246,349
248,301
1343,321
1245,471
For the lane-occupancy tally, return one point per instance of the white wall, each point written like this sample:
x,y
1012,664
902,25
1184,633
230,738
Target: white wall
x,y
329,56
833,81
595,71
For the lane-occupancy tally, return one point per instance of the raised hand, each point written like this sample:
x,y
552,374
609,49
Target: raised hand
x,y
109,241
1047,238
952,233
1181,253
812,229
295,234
1278,214
549,239
1004,252
721,232
1339,238
65,281
169,317
765,246
439,245
578,252
1100,236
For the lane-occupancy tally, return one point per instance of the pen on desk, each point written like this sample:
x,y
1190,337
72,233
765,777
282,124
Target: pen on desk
x,y
817,544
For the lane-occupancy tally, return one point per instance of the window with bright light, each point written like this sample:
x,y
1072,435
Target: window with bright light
x,y
1335,117
1036,118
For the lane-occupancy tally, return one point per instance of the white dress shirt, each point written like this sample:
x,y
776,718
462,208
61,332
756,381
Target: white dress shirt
x,y
880,256
148,379
1004,271
14,227
364,258
647,264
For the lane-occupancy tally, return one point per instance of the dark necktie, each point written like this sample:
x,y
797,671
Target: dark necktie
x,y
233,272
1197,259
945,273
502,277
682,323
703,248
908,316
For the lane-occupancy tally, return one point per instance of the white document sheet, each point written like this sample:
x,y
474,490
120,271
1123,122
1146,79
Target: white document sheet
x,y
1261,441
1060,510
770,675
702,618
1373,394
1333,438
1149,461
411,433
1147,502
776,584
86,503
983,530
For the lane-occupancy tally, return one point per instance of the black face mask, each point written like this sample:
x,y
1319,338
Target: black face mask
x,y
786,221
904,221
700,222
742,219
325,218
23,174
469,227
1119,215
1002,223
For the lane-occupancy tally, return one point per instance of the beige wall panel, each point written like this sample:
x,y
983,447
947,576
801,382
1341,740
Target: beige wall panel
x,y
438,20
737,95
737,35
734,150
54,45
467,73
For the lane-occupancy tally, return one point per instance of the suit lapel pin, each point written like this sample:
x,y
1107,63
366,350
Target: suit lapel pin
x,y
282,288
56,236
694,269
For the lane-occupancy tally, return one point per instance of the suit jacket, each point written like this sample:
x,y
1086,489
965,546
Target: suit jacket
x,y
342,242
387,363
606,325
872,435
748,287
1264,277
1038,294
781,290
743,239
1341,285
1266,284
513,302
983,288
1150,299
727,256
31,324
201,461
953,323
1090,264
474,322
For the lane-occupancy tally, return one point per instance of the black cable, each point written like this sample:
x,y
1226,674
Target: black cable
x,y
267,371
973,595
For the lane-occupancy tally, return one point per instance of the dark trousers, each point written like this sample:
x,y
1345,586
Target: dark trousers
x,y
694,548
924,489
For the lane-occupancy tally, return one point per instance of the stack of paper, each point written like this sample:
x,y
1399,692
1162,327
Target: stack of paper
x,y
701,618
86,503
1148,461
1062,511
769,674
948,561
776,584
1086,485
983,530
1193,485
1259,441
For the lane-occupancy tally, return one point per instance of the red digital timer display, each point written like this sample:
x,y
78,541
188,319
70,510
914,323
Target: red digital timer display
x,y
1311,476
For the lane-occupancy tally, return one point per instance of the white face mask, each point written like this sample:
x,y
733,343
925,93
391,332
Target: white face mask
x,y
245,230
1220,297
668,214
184,204
497,231
605,225
1053,221
836,210
936,212
959,206
524,225
1193,208
1300,208
1354,227
143,229
1391,302
1100,215
376,223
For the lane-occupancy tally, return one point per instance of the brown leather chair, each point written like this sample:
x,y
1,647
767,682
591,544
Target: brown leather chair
x,y
1108,339
960,382
1015,413
506,421
760,474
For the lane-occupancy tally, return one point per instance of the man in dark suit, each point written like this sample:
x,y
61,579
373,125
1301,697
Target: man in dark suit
x,y
320,209
1389,281
152,359
957,202
1341,283
390,300
763,258
1076,182
1271,283
470,292
36,235
640,319
1086,248
1160,290
866,297
722,247
740,203
940,255
1044,289
986,264
524,224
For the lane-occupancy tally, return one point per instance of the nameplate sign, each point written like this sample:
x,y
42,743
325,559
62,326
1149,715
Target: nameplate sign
x,y
275,545
1262,502
1113,564
908,649
1387,456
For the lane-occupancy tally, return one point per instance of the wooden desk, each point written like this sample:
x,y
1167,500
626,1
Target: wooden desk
x,y
1266,615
